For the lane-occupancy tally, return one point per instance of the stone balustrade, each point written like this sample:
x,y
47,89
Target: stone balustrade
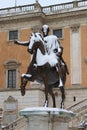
x,y
78,106
15,10
80,109
59,8
19,124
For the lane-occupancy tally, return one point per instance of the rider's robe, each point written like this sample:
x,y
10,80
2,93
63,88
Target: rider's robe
x,y
51,43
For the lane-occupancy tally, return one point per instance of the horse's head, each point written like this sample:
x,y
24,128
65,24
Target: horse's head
x,y
36,41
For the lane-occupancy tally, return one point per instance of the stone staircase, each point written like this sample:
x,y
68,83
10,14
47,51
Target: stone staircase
x,y
79,108
18,124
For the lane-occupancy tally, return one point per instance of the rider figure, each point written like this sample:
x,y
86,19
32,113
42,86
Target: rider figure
x,y
58,48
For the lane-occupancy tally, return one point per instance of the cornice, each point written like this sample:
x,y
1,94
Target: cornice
x,y
22,17
72,14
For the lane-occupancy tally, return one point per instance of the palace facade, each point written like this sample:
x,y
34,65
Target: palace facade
x,y
68,22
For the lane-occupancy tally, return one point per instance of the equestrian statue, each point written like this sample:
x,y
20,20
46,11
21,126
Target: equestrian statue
x,y
47,65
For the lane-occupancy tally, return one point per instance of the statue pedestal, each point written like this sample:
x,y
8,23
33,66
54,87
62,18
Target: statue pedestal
x,y
41,118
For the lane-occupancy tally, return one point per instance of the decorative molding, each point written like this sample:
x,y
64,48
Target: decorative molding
x,y
11,64
75,27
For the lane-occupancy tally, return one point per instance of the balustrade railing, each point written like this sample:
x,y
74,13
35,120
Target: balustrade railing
x,y
82,3
47,9
80,109
78,106
19,124
58,7
16,10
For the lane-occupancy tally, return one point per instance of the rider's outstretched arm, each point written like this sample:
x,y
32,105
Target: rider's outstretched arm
x,y
26,43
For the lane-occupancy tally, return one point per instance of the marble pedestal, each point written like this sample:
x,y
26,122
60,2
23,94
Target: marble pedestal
x,y
41,118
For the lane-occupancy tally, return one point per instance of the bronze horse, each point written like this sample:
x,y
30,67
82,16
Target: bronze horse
x,y
46,74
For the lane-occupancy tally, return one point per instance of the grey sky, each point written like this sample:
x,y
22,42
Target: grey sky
x,y
11,3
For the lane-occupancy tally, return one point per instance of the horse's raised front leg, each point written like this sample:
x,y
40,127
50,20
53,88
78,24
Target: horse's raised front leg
x,y
63,96
24,81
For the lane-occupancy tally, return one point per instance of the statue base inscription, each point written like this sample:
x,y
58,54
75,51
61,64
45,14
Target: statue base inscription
x,y
45,118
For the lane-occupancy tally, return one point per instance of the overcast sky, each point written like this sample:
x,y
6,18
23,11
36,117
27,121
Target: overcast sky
x,y
12,3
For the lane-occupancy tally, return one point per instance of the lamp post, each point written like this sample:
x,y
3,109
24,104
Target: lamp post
x,y
15,3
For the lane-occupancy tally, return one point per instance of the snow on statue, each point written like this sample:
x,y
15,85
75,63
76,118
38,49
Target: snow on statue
x,y
47,65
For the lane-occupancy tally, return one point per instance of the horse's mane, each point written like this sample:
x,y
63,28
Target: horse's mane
x,y
39,45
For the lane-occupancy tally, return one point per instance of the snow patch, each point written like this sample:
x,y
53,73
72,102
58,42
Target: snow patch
x,y
46,110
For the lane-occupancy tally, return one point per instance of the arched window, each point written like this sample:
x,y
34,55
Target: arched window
x,y
12,73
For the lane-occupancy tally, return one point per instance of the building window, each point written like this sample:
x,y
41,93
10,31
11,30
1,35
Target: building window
x,y
13,35
12,73
58,33
11,78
